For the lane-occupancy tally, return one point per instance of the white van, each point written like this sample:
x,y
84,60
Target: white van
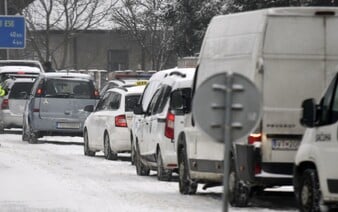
x,y
289,53
154,146
315,171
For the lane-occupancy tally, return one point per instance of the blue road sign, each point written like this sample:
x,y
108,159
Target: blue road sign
x,y
12,32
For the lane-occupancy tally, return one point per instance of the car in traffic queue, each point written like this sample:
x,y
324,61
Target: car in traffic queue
x,y
106,128
56,105
26,63
12,105
154,145
8,72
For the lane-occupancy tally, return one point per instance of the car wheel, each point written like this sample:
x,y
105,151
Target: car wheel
x,y
108,153
25,135
309,193
86,148
132,154
33,139
141,169
186,185
162,173
239,193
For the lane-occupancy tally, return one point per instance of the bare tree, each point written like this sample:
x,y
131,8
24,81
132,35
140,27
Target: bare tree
x,y
144,20
67,16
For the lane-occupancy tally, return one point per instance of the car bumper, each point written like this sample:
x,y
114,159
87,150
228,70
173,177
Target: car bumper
x,y
11,120
120,140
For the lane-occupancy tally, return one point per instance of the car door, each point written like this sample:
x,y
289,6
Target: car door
x,y
326,136
94,129
147,144
108,116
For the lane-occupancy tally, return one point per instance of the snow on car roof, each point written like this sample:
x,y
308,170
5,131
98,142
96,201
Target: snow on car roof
x,y
70,75
24,69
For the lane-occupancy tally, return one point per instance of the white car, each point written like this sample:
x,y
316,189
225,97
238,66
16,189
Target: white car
x,y
155,142
106,128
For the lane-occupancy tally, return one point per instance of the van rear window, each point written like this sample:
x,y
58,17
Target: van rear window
x,y
20,90
65,88
131,101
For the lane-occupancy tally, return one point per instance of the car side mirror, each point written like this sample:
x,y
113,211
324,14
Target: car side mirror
x,y
138,110
89,108
309,115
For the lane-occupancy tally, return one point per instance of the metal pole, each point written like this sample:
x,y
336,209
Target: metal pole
x,y
6,13
227,140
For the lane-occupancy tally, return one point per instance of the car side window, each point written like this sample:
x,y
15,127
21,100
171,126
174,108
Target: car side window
x,y
114,101
153,105
102,102
163,99
329,105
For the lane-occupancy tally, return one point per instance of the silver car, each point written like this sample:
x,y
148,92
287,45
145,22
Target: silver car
x,y
56,105
12,105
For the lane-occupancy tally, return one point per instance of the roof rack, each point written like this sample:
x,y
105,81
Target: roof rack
x,y
177,73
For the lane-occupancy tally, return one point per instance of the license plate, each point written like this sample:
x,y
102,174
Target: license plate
x,y
285,144
68,125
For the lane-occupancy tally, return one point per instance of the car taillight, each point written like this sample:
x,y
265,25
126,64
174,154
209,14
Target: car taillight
x,y
169,126
4,104
38,92
21,72
97,93
121,121
254,137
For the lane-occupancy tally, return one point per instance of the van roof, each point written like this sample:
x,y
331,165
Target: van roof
x,y
164,73
133,89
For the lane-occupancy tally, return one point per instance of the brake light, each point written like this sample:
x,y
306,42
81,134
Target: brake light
x,y
254,137
258,169
20,72
121,121
96,93
5,104
169,126
39,92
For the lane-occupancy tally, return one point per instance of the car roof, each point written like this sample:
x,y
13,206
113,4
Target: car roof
x,y
58,75
10,82
129,90
25,69
179,78
30,63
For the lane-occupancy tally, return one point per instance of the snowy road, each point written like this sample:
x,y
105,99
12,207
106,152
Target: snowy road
x,y
56,176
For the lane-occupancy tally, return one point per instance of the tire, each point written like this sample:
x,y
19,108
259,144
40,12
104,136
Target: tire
x,y
108,153
132,154
86,148
25,135
33,138
186,185
141,169
239,194
162,173
309,192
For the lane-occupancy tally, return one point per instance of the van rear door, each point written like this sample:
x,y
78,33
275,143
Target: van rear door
x,y
300,53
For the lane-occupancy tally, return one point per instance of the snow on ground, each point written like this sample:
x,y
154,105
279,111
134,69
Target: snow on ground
x,y
54,175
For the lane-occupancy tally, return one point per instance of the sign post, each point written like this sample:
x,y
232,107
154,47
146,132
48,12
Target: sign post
x,y
12,32
227,106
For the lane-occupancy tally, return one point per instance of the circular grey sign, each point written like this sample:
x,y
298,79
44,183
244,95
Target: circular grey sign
x,y
210,103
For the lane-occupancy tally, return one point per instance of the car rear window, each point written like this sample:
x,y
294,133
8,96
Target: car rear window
x,y
20,90
131,101
66,88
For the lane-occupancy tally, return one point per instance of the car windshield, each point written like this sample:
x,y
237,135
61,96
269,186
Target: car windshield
x,y
20,90
65,88
131,101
